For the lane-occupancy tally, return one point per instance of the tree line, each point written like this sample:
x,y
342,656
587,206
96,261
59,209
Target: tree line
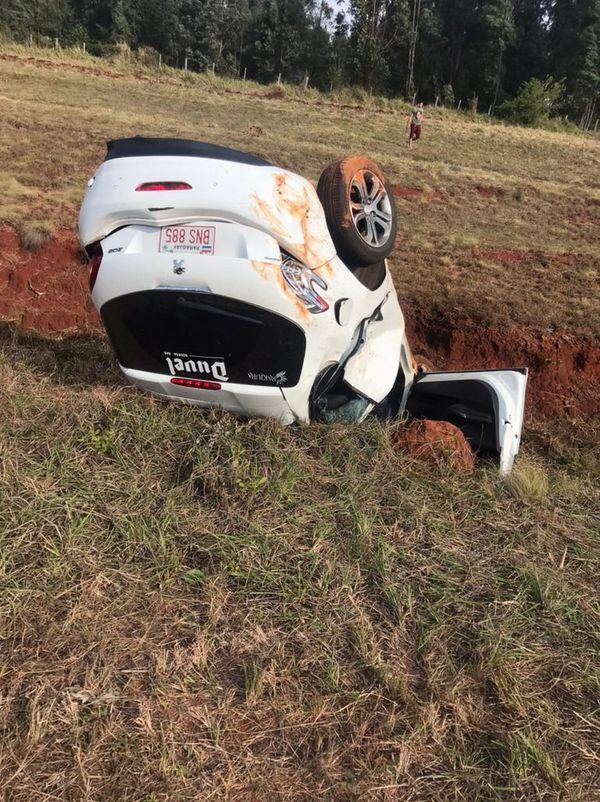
x,y
486,53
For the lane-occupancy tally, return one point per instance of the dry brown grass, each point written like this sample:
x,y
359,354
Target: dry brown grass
x,y
34,235
195,607
529,483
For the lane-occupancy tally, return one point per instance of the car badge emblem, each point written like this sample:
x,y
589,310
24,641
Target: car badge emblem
x,y
178,267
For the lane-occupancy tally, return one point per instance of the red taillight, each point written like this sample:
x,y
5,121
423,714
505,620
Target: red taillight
x,y
95,262
196,384
162,186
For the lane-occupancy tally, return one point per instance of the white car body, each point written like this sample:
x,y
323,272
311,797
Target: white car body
x,y
239,221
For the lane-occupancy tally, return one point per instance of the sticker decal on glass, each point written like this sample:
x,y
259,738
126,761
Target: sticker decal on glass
x,y
188,364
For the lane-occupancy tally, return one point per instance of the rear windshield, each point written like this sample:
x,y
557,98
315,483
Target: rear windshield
x,y
198,335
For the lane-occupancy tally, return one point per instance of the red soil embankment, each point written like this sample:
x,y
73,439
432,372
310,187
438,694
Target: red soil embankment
x,y
564,368
47,292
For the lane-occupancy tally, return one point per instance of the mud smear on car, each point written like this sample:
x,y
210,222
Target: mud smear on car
x,y
270,271
47,292
312,245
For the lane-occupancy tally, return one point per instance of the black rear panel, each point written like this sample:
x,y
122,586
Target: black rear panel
x,y
204,336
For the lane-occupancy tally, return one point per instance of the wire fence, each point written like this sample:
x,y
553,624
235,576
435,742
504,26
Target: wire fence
x,y
149,57
144,56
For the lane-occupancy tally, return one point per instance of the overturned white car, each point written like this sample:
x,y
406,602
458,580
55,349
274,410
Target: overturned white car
x,y
223,280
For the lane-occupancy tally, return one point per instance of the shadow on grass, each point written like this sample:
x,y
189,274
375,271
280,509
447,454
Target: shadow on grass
x,y
74,359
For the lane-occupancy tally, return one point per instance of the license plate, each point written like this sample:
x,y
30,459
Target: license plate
x,y
187,239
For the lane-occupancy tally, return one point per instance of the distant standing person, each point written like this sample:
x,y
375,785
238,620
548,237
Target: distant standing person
x,y
415,119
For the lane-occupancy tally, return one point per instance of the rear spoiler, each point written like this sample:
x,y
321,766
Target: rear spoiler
x,y
157,146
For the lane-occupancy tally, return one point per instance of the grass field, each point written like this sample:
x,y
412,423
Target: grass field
x,y
199,608
486,199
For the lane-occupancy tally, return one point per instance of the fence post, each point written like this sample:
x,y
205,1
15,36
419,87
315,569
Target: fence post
x,y
30,40
306,81
159,60
279,78
83,47
185,63
437,101
56,43
490,110
459,105
213,68
596,126
245,68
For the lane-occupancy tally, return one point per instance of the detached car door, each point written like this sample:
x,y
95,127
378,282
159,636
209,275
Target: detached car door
x,y
487,405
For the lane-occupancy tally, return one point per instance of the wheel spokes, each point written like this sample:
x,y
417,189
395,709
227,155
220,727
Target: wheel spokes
x,y
370,208
358,183
383,217
377,189
380,196
372,231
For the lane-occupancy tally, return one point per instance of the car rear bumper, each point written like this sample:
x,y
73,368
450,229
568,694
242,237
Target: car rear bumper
x,y
244,400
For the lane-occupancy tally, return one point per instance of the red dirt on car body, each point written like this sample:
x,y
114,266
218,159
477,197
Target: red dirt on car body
x,y
47,292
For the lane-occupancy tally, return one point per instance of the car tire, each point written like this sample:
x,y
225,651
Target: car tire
x,y
359,209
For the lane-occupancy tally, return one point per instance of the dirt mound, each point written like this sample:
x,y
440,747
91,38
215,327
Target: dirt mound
x,y
276,92
506,256
406,192
435,441
564,378
46,290
485,191
409,193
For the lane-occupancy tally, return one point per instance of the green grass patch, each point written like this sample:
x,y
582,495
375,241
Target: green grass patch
x,y
197,601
